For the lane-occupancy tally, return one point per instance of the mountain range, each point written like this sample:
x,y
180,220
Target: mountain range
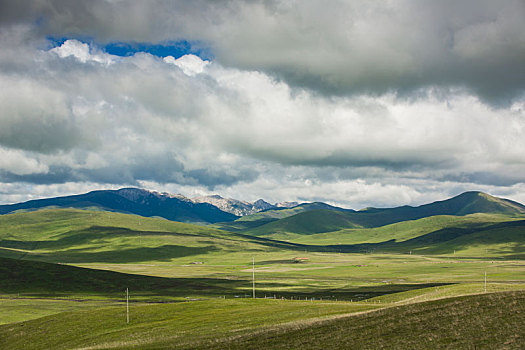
x,y
132,201
262,216
322,220
241,208
176,207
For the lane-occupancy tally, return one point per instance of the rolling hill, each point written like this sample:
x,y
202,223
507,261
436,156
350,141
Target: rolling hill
x,y
132,201
490,321
326,220
83,236
267,216
307,222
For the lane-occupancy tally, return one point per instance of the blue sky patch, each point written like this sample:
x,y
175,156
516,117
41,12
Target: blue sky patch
x,y
174,48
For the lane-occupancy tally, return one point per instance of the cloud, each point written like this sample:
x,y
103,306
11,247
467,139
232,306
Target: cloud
x,y
141,113
190,64
82,52
360,104
35,117
349,47
16,162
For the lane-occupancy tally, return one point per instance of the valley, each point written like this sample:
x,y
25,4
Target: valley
x,y
317,269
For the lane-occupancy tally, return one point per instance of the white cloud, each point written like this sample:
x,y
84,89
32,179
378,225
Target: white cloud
x,y
18,163
82,52
21,192
190,64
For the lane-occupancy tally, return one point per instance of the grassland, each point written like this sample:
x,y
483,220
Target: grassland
x,y
72,267
493,321
481,321
165,325
401,231
480,235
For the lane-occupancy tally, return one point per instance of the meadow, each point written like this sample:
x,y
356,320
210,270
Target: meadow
x,y
191,286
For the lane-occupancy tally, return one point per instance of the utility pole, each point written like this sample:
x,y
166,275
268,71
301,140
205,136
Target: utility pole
x,y
253,276
127,305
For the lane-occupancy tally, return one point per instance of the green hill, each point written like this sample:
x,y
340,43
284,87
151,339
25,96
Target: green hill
x,y
258,219
399,231
81,236
310,222
85,237
323,221
490,321
284,213
471,235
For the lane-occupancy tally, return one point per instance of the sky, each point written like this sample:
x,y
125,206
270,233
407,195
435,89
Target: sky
x,y
354,103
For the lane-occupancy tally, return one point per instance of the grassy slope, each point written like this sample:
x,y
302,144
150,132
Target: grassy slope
x,y
481,321
124,243
23,309
181,325
325,221
78,236
310,222
283,213
167,249
473,235
400,231
252,221
31,278
491,321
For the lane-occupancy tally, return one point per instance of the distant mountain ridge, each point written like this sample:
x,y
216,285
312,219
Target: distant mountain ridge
x,y
133,201
234,206
262,215
330,220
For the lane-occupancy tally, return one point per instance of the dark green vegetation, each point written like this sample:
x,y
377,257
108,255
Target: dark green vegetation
x,y
64,272
470,235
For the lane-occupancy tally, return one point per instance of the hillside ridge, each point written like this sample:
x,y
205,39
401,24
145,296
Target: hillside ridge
x,y
464,204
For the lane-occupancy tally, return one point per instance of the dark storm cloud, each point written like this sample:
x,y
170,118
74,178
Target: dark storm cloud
x,y
485,178
35,119
348,47
52,175
211,178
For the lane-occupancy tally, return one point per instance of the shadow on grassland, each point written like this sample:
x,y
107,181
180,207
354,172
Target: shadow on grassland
x,y
44,279
86,236
41,278
441,241
355,294
162,253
